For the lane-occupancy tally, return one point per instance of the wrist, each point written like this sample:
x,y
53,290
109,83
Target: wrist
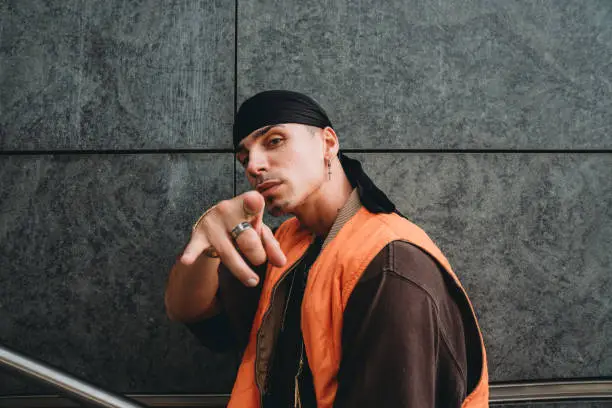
x,y
209,252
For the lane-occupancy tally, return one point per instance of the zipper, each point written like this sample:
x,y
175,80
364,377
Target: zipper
x,y
297,399
287,303
263,319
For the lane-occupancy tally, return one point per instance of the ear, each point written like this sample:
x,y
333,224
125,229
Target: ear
x,y
330,143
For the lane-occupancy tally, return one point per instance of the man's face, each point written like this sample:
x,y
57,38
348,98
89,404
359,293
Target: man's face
x,y
285,163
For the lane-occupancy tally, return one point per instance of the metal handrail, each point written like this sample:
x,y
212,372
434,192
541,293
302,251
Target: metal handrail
x,y
78,390
65,384
500,394
550,391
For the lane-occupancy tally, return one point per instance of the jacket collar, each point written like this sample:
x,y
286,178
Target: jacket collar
x,y
350,208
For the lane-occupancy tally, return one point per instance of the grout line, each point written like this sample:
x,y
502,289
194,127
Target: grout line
x,y
457,151
235,180
235,81
235,58
62,152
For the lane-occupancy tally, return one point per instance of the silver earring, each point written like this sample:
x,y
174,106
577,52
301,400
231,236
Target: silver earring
x,y
329,169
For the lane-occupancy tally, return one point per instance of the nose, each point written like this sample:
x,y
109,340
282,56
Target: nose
x,y
258,163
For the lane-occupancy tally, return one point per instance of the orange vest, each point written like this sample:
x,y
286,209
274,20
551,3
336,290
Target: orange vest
x,y
331,281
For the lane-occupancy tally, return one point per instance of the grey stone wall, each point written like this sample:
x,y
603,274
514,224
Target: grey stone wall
x,y
489,123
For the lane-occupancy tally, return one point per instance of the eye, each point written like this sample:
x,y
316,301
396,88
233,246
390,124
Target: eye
x,y
274,141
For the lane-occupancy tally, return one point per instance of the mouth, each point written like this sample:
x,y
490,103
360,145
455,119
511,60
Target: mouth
x,y
267,186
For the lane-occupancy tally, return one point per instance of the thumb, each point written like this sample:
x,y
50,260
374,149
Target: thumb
x,y
253,205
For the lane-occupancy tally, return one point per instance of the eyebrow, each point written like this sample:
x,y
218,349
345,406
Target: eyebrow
x,y
259,133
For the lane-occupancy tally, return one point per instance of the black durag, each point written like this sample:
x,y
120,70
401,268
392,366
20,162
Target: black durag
x,y
278,106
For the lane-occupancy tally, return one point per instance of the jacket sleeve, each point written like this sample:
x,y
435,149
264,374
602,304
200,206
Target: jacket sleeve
x,y
214,332
402,340
229,330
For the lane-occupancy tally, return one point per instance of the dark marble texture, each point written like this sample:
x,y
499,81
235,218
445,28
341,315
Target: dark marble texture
x,y
87,74
87,244
530,237
439,74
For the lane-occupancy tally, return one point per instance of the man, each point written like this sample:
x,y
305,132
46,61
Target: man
x,y
347,304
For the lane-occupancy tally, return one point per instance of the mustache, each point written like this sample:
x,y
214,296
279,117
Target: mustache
x,y
263,178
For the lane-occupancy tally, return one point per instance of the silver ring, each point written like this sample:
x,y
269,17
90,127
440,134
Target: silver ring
x,y
240,228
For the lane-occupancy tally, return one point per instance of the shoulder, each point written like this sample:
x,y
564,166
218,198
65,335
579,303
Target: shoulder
x,y
413,264
412,275
410,264
393,227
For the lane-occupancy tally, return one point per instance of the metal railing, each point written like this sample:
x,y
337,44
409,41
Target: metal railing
x,y
68,385
550,391
84,393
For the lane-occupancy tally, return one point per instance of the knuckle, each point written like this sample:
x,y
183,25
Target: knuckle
x,y
199,234
248,238
223,207
221,252
254,252
246,246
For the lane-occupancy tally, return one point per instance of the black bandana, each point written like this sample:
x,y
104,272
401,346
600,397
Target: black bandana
x,y
278,106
